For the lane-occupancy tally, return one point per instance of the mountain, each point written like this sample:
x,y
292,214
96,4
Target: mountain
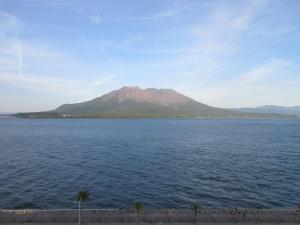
x,y
134,102
6,115
293,110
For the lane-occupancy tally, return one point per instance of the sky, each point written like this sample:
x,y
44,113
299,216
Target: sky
x,y
222,53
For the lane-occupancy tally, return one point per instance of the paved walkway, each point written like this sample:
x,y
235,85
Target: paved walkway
x,y
151,216
253,223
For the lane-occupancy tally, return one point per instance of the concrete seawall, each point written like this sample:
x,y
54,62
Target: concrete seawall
x,y
168,216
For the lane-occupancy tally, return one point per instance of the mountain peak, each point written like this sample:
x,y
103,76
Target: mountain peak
x,y
129,88
148,95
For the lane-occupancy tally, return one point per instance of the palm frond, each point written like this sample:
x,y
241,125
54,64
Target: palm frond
x,y
138,206
83,196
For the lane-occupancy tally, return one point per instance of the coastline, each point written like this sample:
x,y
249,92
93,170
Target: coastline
x,y
150,118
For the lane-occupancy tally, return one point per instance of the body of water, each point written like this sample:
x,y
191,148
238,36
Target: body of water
x,y
162,163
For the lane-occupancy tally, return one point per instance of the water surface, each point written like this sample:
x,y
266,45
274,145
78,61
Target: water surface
x,y
163,163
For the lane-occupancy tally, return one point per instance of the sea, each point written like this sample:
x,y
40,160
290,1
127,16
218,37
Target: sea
x,y
163,163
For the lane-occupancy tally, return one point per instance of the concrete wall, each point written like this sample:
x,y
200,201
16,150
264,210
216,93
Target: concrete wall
x,y
150,216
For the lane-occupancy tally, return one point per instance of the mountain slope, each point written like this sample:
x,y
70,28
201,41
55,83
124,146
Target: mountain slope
x,y
294,110
134,102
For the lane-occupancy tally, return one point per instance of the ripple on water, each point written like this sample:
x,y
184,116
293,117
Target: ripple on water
x,y
219,163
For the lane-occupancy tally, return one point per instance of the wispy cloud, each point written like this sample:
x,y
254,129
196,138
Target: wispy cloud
x,y
217,42
11,52
20,59
242,89
213,51
262,72
94,18
244,18
9,24
55,84
211,44
219,36
15,53
104,80
175,8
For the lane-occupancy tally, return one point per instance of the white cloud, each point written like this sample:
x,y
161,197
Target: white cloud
x,y
174,9
94,18
8,24
192,55
104,80
247,89
55,84
210,45
213,41
218,41
36,82
219,36
244,18
263,71
18,57
15,52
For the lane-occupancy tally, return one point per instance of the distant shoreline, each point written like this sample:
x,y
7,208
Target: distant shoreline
x,y
14,116
8,117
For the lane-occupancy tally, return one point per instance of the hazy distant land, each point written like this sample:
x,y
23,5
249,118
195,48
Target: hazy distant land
x,y
293,110
134,102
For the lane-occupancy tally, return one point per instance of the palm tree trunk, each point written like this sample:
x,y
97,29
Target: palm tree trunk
x,y
79,216
138,217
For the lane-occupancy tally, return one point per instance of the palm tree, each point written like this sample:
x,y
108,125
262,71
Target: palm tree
x,y
81,197
195,208
139,207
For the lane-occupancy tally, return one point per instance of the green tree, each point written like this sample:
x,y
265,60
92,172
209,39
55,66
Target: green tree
x,y
81,197
139,207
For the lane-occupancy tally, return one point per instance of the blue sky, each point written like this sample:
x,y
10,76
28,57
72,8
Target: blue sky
x,y
222,53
